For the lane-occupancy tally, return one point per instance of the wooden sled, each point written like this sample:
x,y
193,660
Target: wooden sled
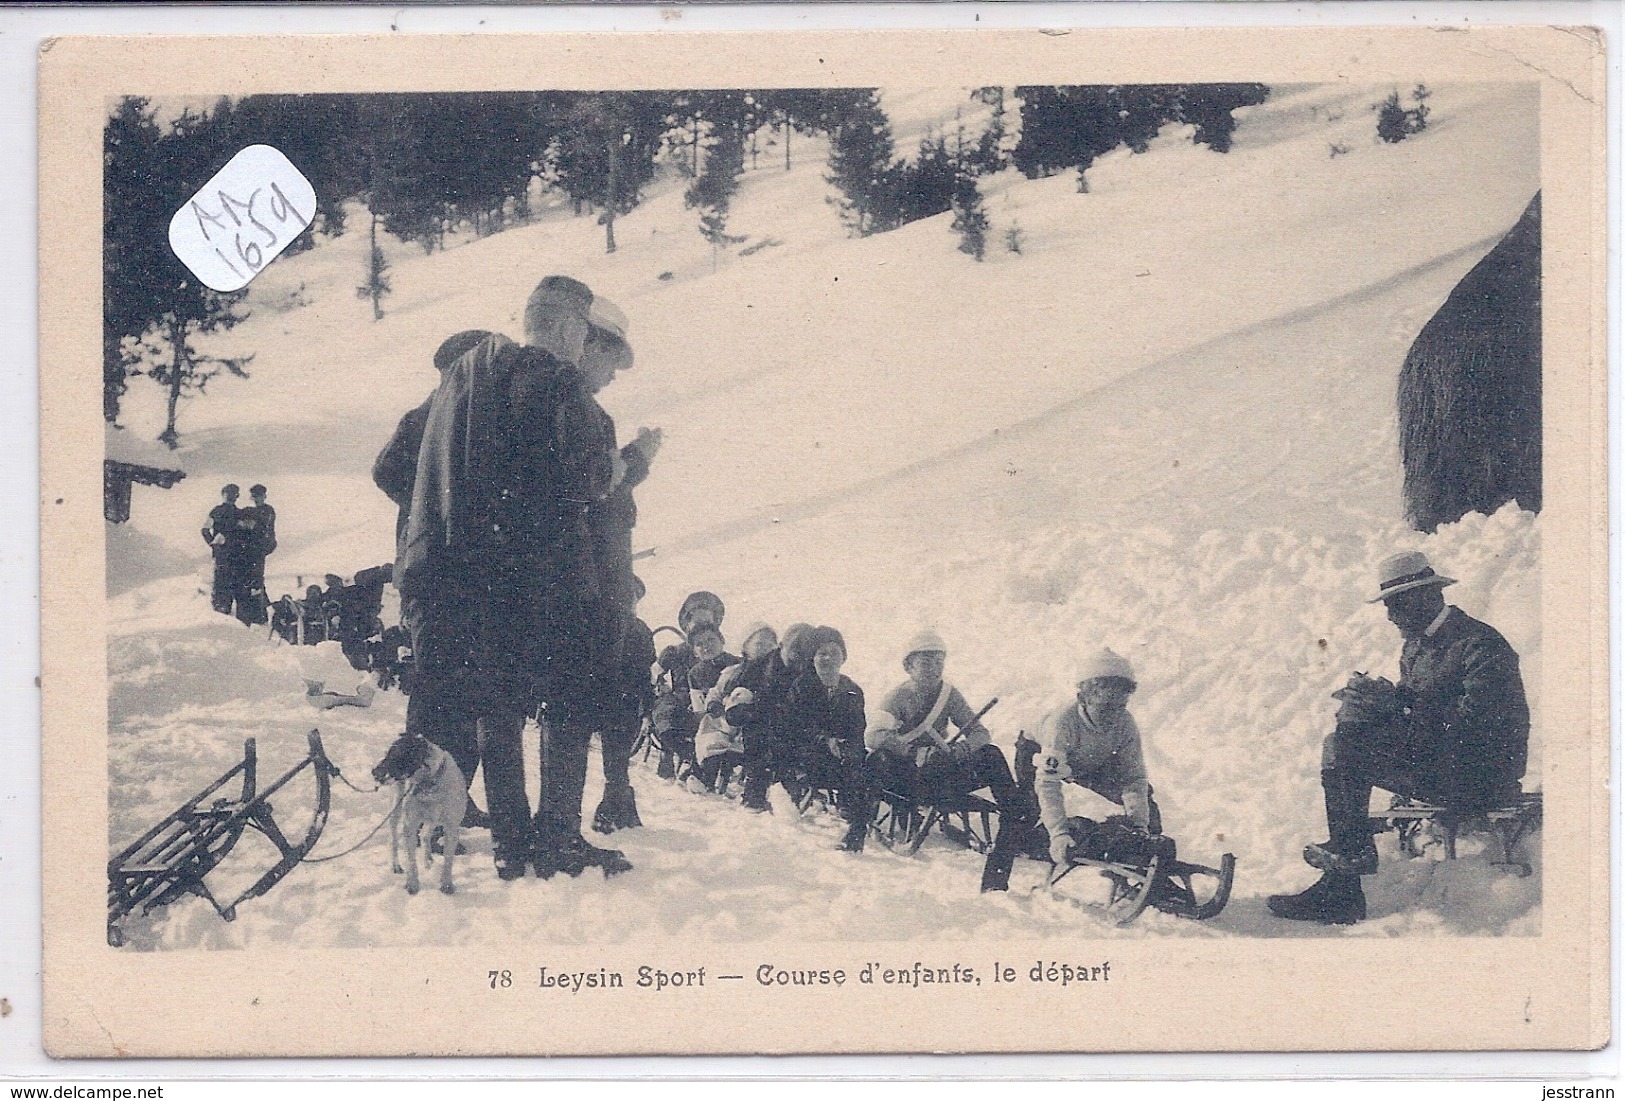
x,y
1509,823
902,825
172,859
1173,886
1131,885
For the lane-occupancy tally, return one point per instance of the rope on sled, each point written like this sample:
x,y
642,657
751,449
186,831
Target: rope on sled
x,y
370,835
352,787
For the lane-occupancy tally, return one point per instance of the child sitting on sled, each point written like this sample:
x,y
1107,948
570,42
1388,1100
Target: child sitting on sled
x,y
1094,742
719,746
672,716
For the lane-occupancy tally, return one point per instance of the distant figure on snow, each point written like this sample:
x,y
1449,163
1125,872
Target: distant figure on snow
x,y
229,543
260,520
1455,730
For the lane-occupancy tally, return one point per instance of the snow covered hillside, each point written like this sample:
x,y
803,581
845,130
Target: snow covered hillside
x,y
1165,425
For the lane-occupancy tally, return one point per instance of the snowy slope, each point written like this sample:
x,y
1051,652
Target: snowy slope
x,y
1165,425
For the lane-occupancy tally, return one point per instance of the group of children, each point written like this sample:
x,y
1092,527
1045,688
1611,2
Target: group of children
x,y
782,712
351,615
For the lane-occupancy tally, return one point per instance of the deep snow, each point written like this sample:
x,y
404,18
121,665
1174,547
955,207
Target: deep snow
x,y
1166,425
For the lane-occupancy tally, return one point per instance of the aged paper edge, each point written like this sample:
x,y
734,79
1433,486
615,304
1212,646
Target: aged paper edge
x,y
1545,992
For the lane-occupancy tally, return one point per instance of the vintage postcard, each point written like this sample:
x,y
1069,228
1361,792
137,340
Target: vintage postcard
x,y
833,542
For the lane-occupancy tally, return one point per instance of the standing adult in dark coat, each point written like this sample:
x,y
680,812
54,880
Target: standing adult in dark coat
x,y
228,544
496,569
259,520
625,681
434,713
1454,730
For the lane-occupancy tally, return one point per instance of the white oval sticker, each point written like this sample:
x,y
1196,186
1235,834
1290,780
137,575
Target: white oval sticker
x,y
242,218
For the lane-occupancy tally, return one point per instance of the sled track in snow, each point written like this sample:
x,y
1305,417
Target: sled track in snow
x,y
818,504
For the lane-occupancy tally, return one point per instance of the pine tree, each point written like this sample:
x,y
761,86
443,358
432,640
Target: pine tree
x,y
860,160
1210,107
1396,123
992,150
605,149
713,190
154,307
970,220
926,187
1070,126
129,230
376,284
317,133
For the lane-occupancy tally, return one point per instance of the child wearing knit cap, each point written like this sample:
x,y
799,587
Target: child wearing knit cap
x,y
1094,742
915,756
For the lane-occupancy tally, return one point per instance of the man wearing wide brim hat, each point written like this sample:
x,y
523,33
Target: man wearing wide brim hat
x,y
1454,730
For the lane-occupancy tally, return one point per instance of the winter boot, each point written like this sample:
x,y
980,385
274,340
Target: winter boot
x,y
617,810
1359,859
754,796
667,768
1332,900
573,855
511,867
996,870
856,833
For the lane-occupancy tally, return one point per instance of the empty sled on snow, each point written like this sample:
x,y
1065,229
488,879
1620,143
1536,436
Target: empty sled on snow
x,y
173,858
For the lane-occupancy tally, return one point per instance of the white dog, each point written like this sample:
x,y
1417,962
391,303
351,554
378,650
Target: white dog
x,y
432,793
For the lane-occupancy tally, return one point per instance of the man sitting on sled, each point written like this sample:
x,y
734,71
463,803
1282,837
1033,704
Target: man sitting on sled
x,y
1454,730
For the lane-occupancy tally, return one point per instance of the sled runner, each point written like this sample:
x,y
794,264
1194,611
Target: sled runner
x,y
173,858
649,740
1131,885
902,825
1146,871
1508,823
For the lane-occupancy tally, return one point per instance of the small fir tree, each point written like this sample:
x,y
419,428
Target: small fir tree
x,y
970,220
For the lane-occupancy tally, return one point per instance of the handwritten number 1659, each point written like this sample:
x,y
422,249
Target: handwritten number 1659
x,y
250,252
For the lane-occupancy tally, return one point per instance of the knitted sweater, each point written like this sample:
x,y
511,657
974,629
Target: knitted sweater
x,y
1104,758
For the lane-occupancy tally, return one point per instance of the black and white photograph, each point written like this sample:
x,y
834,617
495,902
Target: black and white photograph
x,y
950,528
